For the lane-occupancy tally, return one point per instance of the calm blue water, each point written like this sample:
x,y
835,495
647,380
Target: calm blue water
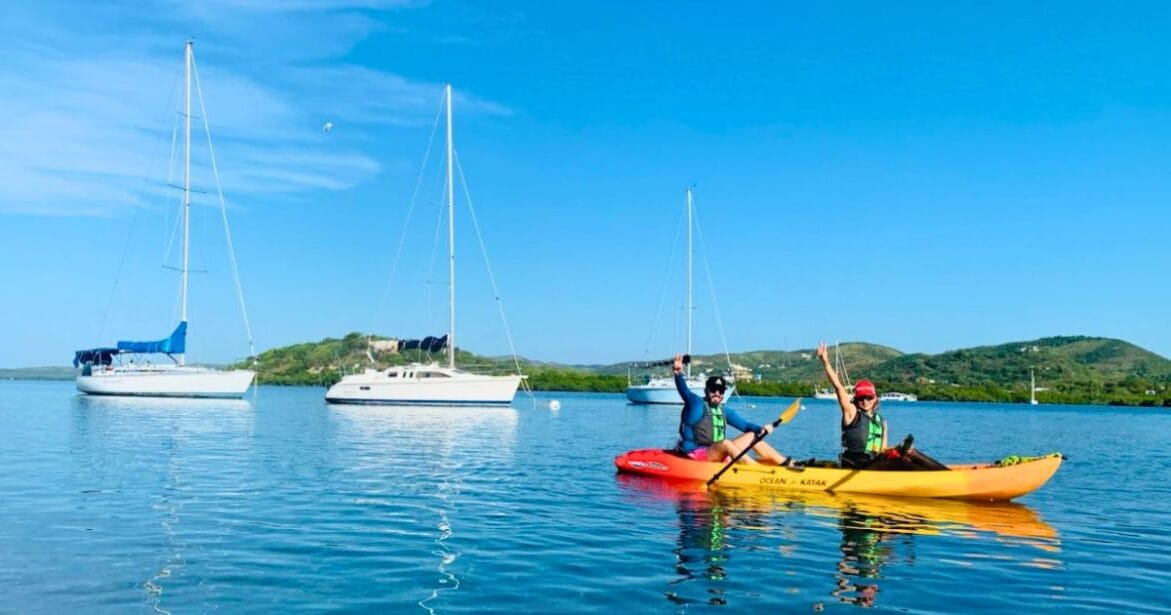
x,y
119,506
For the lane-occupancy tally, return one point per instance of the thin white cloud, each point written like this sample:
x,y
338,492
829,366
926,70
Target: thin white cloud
x,y
85,126
315,6
360,95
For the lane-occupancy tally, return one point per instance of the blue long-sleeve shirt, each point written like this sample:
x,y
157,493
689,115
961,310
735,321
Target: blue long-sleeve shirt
x,y
693,410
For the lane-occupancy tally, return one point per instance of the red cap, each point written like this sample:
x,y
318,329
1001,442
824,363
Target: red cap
x,y
864,388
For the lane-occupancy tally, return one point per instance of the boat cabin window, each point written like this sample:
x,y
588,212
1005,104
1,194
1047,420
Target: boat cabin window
x,y
392,374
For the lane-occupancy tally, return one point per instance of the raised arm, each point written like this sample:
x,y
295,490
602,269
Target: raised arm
x,y
849,412
692,403
680,381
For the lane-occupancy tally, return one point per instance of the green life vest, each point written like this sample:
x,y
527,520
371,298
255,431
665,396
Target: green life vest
x,y
863,436
874,433
712,426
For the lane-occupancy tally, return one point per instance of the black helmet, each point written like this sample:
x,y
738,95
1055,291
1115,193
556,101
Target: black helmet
x,y
716,383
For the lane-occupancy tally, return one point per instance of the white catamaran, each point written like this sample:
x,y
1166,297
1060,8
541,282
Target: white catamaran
x,y
661,390
105,371
430,384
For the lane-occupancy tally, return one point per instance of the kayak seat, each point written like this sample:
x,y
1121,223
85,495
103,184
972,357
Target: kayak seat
x,y
910,461
818,463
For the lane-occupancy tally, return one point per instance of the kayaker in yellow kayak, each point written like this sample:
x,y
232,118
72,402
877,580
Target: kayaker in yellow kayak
x,y
703,422
863,429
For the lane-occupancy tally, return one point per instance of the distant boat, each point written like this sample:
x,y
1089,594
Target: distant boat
x,y
103,371
896,396
830,394
1032,388
843,373
659,389
430,384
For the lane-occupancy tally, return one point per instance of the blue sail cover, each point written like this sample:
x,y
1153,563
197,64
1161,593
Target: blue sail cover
x,y
175,344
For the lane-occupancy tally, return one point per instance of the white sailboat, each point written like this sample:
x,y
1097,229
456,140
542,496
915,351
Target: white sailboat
x,y
661,390
430,384
107,371
1032,388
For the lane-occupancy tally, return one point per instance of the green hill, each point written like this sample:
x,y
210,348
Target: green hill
x,y
1054,359
1068,369
803,366
323,363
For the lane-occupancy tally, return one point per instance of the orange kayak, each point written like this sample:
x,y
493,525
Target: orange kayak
x,y
973,481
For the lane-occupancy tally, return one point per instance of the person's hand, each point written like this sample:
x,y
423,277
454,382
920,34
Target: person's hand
x,y
678,364
764,430
823,352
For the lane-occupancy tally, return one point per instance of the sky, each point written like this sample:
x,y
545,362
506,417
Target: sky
x,y
922,176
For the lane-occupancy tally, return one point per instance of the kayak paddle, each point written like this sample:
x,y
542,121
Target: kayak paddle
x,y
785,417
686,360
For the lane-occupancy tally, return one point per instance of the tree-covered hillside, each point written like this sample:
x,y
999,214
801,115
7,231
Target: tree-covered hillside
x,y
1068,369
323,363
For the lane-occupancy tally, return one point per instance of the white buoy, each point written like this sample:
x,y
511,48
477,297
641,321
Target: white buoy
x,y
327,127
554,405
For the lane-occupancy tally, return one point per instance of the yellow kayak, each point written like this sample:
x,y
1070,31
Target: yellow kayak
x,y
961,481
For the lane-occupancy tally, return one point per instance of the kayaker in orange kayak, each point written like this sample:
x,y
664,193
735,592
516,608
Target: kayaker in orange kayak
x,y
863,429
703,422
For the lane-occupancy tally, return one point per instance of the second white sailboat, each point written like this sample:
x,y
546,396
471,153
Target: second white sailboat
x,y
430,384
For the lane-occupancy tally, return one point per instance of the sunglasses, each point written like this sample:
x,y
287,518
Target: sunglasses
x,y
720,391
865,398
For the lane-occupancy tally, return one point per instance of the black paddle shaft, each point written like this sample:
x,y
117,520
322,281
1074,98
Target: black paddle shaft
x,y
756,440
686,360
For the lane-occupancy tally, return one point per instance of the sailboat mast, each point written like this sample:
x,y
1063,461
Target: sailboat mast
x,y
690,289
450,240
1032,387
183,273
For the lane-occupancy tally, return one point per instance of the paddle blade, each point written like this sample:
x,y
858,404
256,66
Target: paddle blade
x,y
789,412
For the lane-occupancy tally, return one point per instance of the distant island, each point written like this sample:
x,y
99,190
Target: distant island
x,y
1069,369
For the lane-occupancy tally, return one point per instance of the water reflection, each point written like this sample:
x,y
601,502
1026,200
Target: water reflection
x,y
715,528
210,413
103,422
865,548
158,404
435,454
436,430
874,529
701,550
136,452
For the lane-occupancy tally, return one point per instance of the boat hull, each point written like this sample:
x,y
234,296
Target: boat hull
x,y
467,390
195,382
962,481
662,391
